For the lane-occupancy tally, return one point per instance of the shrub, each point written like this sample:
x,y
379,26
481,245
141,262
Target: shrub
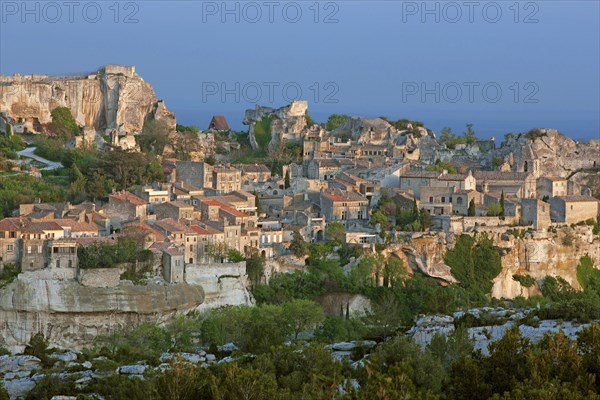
x,y
524,280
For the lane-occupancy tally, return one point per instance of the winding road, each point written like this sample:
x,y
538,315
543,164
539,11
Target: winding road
x,y
50,165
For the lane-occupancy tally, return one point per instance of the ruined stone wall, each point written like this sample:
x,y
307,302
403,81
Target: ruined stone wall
x,y
99,277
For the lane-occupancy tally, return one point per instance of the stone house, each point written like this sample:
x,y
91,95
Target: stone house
x,y
573,209
206,235
10,237
535,212
517,184
415,179
337,205
437,200
552,186
180,234
226,180
185,192
173,263
154,195
458,181
254,173
177,210
323,169
125,206
63,255
197,174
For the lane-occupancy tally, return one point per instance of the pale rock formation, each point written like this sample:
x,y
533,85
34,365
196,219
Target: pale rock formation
x,y
114,97
287,123
367,130
71,315
557,154
545,255
223,284
427,326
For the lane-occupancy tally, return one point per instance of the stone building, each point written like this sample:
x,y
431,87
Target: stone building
x,y
125,206
177,210
337,205
518,184
573,209
552,186
415,179
536,212
226,180
198,174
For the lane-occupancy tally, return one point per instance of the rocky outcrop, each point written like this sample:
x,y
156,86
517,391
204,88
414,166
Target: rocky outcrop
x,y
557,154
112,98
367,130
287,123
223,284
71,315
544,254
501,320
424,253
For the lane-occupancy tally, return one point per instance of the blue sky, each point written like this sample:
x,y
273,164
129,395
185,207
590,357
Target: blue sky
x,y
372,58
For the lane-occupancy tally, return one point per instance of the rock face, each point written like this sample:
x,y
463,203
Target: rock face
x,y
544,255
287,123
557,154
71,315
223,284
367,130
113,98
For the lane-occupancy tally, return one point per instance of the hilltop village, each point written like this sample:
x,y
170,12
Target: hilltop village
x,y
114,216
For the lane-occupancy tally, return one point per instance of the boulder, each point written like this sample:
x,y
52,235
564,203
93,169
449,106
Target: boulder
x,y
64,357
19,388
18,363
136,369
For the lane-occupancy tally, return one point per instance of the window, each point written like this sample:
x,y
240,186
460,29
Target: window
x,y
364,240
57,263
431,199
459,200
70,264
9,248
443,199
28,249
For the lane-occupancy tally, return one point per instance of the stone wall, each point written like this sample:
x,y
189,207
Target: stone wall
x,y
99,277
223,283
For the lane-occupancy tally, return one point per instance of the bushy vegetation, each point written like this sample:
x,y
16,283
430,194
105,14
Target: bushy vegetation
x,y
22,189
262,132
9,273
474,263
335,121
408,217
104,255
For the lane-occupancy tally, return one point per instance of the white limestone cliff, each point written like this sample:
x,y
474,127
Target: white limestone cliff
x,y
112,98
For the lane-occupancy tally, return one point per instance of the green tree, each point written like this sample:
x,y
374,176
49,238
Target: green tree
x,y
471,209
425,219
298,246
38,347
335,121
77,188
303,315
336,231
494,210
154,136
63,123
469,135
287,178
502,205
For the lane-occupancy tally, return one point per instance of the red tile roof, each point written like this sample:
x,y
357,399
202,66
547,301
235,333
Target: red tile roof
x,y
126,196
